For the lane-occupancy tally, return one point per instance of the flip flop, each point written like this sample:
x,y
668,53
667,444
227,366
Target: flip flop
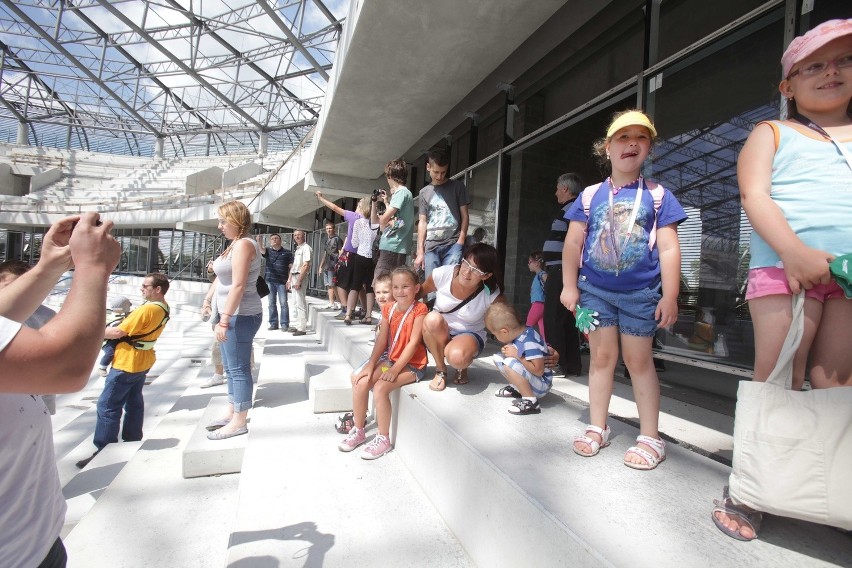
x,y
442,381
745,515
461,377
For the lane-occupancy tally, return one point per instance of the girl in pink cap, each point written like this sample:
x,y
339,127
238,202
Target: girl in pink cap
x,y
795,179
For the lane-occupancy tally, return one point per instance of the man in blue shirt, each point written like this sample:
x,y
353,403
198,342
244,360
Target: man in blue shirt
x,y
278,262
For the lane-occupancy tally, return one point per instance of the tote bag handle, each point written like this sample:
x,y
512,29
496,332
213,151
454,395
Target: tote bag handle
x,y
782,374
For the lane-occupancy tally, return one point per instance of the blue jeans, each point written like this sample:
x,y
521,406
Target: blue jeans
x,y
107,353
122,390
278,301
444,255
236,358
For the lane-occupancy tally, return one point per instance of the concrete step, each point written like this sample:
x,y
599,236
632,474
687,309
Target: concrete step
x,y
305,503
202,457
150,515
518,475
328,383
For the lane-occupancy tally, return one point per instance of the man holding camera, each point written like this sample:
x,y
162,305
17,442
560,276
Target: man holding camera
x,y
396,224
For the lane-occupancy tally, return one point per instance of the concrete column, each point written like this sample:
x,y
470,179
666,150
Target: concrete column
x,y
23,134
264,143
159,148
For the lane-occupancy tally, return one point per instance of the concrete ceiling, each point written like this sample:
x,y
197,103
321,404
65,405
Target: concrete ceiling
x,y
404,66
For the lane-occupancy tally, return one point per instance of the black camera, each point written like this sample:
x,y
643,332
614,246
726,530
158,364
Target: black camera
x,y
377,194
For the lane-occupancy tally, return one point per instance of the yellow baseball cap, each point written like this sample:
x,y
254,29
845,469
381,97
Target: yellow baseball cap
x,y
632,118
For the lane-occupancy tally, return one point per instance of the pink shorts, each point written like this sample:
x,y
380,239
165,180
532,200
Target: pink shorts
x,y
771,281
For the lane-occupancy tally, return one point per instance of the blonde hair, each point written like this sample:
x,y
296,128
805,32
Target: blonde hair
x,y
501,315
364,207
236,213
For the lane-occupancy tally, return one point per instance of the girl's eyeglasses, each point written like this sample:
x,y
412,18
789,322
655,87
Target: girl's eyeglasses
x,y
818,67
471,268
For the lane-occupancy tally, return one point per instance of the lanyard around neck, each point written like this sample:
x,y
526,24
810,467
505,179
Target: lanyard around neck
x,y
398,329
619,251
816,127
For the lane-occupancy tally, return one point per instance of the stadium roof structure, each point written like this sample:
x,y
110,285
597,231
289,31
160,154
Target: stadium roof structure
x,y
196,77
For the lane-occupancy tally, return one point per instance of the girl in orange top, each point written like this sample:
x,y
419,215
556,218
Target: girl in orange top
x,y
398,358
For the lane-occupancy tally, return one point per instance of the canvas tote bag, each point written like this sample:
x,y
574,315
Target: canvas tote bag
x,y
793,449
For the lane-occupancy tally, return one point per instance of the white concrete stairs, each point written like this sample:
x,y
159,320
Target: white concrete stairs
x,y
468,484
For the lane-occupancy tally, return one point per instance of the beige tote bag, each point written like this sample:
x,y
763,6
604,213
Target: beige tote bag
x,y
793,449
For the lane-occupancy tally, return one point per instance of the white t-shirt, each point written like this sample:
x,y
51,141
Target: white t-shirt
x,y
33,508
471,317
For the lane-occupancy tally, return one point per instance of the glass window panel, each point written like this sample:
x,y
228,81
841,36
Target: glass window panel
x,y
684,21
702,129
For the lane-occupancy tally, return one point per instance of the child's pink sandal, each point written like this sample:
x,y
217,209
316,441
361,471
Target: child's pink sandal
x,y
651,460
592,443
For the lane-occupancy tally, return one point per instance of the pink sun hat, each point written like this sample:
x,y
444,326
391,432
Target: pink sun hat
x,y
805,45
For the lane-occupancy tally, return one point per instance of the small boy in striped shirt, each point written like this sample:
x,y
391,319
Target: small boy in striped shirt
x,y
521,359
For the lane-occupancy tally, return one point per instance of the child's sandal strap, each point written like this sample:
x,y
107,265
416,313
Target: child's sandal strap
x,y
592,443
651,460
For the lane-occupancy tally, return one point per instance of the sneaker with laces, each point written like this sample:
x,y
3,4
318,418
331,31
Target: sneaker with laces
x,y
102,371
213,381
377,448
356,437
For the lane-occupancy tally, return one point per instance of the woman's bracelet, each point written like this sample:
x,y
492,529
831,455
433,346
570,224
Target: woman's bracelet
x,y
221,324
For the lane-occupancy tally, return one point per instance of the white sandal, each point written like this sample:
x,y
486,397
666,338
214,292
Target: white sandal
x,y
651,460
594,444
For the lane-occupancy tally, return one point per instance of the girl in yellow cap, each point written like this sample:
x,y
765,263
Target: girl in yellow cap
x,y
621,263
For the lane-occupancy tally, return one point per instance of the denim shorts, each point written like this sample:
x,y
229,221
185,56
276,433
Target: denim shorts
x,y
479,341
631,310
418,373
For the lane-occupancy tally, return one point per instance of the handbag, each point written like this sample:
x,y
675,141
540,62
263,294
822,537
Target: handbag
x,y
262,287
793,449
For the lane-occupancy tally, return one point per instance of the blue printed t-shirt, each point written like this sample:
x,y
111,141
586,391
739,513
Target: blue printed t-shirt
x,y
531,346
637,266
397,235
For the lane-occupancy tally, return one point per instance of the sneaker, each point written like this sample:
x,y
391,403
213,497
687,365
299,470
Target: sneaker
x,y
272,327
102,371
559,372
524,406
341,315
290,329
337,306
213,381
356,437
328,307
371,341
377,448
508,392
299,333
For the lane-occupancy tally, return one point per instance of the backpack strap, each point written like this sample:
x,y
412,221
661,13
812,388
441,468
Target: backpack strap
x,y
132,339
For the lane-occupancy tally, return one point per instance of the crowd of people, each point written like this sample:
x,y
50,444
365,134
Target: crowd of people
x,y
609,269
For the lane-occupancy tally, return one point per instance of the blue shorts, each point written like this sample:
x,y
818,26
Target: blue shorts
x,y
631,310
328,278
479,341
539,385
418,373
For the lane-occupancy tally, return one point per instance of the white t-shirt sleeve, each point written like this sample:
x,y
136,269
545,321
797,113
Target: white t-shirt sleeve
x,y
8,330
